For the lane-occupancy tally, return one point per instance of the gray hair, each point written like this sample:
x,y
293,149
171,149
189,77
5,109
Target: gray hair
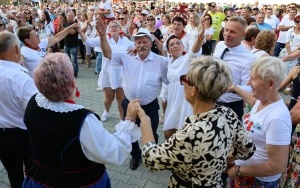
x,y
240,20
210,76
7,41
269,68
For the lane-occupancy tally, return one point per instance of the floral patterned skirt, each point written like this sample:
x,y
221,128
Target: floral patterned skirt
x,y
252,182
293,176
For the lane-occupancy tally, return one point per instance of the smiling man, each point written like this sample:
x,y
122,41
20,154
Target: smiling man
x,y
239,60
143,77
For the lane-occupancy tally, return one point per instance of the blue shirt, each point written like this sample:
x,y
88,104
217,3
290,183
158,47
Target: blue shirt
x,y
264,26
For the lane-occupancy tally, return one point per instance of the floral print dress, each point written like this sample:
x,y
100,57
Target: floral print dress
x,y
198,153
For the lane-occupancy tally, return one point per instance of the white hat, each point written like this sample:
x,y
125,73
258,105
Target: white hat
x,y
143,32
190,7
145,12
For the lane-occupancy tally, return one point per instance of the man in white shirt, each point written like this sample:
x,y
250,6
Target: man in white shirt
x,y
283,27
143,77
16,88
239,60
271,19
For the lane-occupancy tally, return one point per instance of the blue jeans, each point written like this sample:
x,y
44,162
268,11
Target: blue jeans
x,y
278,47
72,53
98,62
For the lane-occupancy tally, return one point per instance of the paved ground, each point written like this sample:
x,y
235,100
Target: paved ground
x,y
121,176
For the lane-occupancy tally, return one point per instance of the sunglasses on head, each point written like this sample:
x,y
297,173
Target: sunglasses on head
x,y
183,80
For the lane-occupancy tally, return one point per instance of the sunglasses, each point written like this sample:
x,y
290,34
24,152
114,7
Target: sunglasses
x,y
121,18
138,10
297,21
183,80
150,19
144,15
292,7
213,6
1,25
54,12
27,12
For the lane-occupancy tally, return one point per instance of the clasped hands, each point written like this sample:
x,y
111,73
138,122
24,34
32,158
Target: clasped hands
x,y
134,110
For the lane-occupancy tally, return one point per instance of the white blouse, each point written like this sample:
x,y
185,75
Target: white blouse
x,y
97,143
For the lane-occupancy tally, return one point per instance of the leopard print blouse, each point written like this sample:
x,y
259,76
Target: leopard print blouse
x,y
198,153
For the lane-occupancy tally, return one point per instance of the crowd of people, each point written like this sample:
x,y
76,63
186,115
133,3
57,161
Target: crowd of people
x,y
207,63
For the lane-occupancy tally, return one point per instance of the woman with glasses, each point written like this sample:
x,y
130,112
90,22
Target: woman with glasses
x,y
154,31
197,154
209,32
34,48
178,108
28,17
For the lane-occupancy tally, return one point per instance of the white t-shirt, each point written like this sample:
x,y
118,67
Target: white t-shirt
x,y
272,22
32,57
282,34
209,31
107,6
293,39
273,126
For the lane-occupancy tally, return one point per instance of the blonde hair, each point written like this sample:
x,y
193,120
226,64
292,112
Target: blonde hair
x,y
210,76
269,68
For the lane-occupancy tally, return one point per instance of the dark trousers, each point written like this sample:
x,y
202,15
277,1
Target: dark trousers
x,y
151,110
278,47
14,152
81,49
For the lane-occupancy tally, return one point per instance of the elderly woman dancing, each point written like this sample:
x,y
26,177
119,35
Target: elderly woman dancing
x,y
268,124
197,154
70,145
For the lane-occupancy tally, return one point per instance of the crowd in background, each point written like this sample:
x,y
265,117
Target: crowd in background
x,y
207,62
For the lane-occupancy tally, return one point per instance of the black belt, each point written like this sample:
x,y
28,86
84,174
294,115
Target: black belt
x,y
188,183
10,130
224,103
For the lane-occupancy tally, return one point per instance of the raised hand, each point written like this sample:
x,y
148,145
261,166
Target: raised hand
x,y
101,27
201,28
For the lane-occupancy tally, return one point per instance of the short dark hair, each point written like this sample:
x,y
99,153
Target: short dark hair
x,y
179,19
251,32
